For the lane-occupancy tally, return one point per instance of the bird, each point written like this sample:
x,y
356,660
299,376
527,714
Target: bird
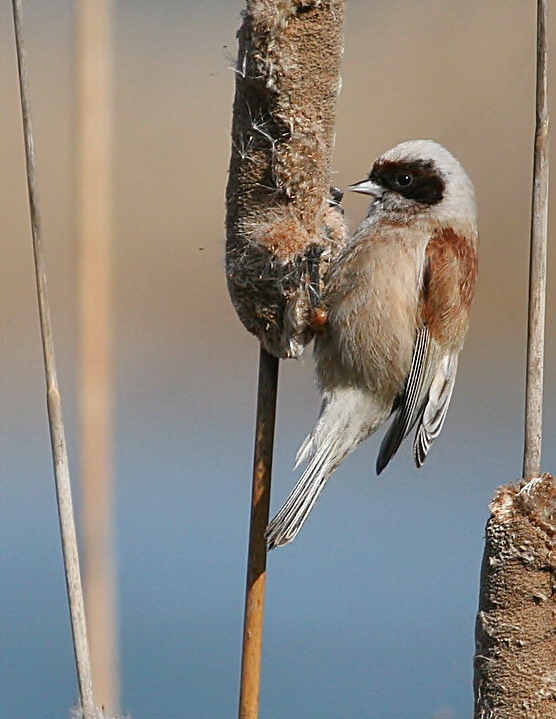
x,y
394,314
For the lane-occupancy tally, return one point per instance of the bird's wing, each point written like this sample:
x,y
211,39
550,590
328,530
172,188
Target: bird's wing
x,y
424,363
434,413
448,284
449,281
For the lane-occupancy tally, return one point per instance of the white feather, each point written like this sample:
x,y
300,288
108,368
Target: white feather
x,y
347,417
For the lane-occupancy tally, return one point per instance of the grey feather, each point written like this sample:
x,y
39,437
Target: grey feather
x,y
424,363
291,517
435,410
347,417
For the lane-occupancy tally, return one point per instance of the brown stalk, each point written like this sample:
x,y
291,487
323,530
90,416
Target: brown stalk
x,y
256,565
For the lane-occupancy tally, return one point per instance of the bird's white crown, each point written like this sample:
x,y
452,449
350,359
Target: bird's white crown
x,y
458,202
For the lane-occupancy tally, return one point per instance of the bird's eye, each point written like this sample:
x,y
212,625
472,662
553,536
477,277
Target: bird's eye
x,y
404,179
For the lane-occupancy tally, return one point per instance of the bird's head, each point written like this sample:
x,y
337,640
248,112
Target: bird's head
x,y
420,177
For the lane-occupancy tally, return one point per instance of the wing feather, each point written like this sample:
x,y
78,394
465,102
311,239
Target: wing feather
x,y
424,363
436,408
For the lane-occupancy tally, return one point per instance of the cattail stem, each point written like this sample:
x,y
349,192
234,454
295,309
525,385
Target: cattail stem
x,y
282,231
54,405
256,562
537,268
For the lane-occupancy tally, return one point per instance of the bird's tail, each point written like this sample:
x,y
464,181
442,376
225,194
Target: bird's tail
x,y
342,425
295,510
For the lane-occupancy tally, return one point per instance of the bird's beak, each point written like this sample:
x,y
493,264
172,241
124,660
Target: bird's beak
x,y
366,187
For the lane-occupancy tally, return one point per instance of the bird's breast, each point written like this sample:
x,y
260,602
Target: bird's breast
x,y
372,301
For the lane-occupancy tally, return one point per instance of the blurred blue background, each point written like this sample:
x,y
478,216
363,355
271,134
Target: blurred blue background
x,y
370,612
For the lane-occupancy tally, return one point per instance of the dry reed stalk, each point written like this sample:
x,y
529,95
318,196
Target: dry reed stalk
x,y
537,267
54,404
94,230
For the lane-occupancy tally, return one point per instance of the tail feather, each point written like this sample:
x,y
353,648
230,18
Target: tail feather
x,y
346,419
291,517
305,451
321,433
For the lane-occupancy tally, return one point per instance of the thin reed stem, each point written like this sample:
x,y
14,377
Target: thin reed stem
x,y
537,267
256,562
54,405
